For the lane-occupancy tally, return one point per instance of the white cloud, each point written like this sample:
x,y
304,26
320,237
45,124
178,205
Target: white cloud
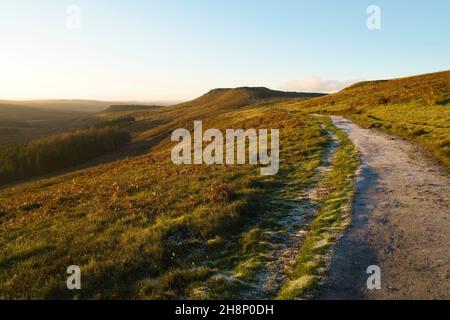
x,y
317,84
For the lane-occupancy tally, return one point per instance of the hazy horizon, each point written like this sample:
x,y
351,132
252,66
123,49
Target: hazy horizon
x,y
97,100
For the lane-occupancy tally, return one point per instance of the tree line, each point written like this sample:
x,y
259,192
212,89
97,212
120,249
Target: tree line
x,y
58,151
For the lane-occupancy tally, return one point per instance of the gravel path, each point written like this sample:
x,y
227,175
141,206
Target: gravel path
x,y
401,222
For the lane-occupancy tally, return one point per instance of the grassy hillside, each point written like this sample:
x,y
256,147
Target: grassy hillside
x,y
142,227
417,108
153,126
237,97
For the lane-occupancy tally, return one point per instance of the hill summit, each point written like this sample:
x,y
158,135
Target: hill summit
x,y
236,97
265,93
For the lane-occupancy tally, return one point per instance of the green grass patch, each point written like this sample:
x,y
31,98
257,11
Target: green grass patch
x,y
333,217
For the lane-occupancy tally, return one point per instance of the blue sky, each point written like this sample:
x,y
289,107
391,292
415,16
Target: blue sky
x,y
176,50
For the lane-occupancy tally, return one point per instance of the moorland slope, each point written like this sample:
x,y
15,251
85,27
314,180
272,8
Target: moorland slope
x,y
416,108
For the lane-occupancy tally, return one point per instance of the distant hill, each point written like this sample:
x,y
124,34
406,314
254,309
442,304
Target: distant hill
x,y
78,105
257,93
236,97
129,107
19,123
14,112
63,105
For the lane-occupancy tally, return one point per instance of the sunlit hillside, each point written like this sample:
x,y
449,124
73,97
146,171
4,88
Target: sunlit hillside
x,y
141,227
183,231
417,108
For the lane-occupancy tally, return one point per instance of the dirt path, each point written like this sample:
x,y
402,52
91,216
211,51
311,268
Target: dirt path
x,y
401,222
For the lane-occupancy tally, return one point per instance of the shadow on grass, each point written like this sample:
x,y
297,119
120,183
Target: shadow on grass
x,y
23,256
353,254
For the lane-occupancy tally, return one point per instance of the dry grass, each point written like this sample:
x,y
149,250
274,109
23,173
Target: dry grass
x,y
143,227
